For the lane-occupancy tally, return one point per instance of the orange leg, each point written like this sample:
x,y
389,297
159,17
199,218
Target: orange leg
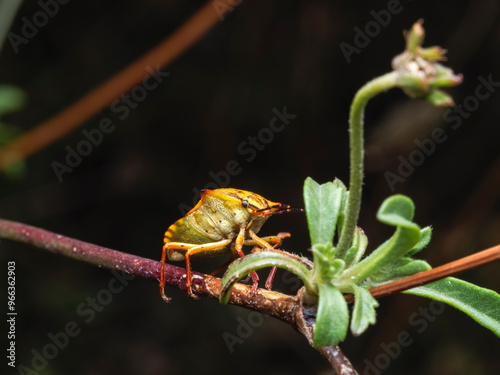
x,y
224,266
262,242
265,243
214,246
270,278
238,245
191,249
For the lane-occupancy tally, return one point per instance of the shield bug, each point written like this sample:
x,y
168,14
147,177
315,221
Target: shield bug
x,y
223,221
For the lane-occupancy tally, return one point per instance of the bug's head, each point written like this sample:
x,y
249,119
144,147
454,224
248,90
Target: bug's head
x,y
256,205
259,206
273,208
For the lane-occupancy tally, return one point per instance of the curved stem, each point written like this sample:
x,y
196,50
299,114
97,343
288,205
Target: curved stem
x,y
368,91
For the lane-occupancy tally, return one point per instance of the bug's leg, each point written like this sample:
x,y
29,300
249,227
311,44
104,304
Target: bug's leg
x,y
270,278
283,235
266,242
272,239
269,243
162,275
169,246
189,282
238,245
214,246
213,273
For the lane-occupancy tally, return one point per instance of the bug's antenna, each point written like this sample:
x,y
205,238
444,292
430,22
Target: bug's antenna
x,y
282,209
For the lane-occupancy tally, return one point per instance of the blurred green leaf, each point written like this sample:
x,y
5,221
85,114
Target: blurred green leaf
x,y
12,99
439,98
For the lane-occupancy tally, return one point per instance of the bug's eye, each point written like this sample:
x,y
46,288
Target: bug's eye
x,y
244,203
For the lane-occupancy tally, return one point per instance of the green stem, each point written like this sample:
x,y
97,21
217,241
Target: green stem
x,y
368,91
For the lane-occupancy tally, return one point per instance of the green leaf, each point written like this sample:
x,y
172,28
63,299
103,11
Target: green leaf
x,y
243,266
397,211
326,267
399,269
363,313
332,318
425,238
358,248
439,98
323,252
481,304
12,99
322,204
343,206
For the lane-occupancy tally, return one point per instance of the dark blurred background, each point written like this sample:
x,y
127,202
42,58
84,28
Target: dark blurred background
x,y
264,55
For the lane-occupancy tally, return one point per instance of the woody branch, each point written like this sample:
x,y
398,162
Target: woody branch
x,y
281,306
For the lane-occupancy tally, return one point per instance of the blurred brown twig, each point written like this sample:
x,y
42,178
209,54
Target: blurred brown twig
x,y
97,99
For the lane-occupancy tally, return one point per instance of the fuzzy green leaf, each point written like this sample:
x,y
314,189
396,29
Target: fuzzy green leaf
x,y
322,204
397,211
399,269
425,238
332,318
481,304
363,313
358,248
343,206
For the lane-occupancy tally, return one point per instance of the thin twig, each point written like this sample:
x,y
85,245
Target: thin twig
x,y
425,277
449,269
276,304
338,360
103,95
